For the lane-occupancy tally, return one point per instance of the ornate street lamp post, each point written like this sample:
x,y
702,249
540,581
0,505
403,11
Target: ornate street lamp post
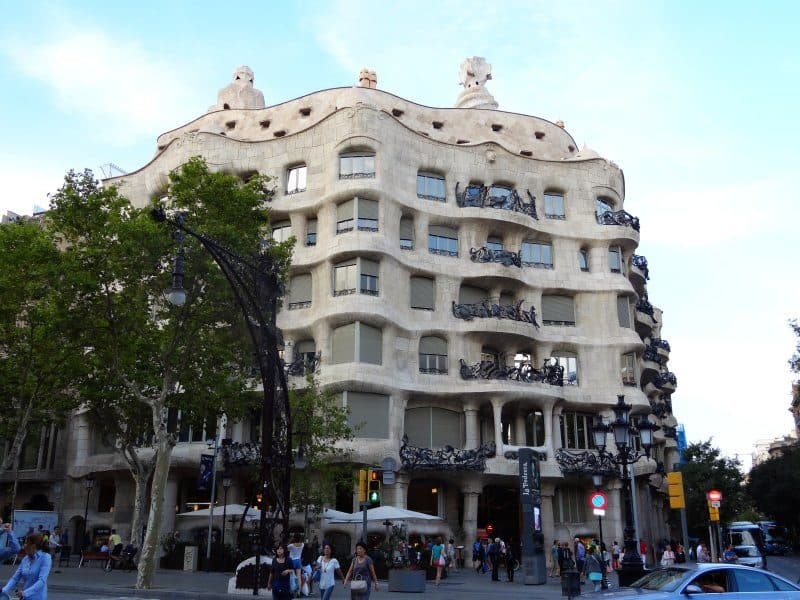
x,y
88,483
227,481
623,432
256,284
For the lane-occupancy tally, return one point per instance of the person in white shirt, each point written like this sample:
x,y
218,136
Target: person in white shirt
x,y
327,566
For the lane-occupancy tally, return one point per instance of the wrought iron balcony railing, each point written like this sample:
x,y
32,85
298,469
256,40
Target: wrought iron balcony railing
x,y
504,257
640,262
303,364
660,409
651,354
525,372
670,432
484,310
619,217
643,305
299,305
659,343
667,378
479,196
447,458
586,463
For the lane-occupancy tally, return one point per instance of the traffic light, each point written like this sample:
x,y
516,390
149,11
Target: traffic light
x,y
374,497
713,512
676,498
362,485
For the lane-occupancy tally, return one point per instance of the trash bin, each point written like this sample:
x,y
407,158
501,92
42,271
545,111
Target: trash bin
x,y
570,583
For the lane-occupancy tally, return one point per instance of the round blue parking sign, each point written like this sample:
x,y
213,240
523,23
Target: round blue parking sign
x,y
598,500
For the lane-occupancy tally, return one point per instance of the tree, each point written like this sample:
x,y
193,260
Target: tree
x,y
704,470
774,487
38,356
319,424
146,353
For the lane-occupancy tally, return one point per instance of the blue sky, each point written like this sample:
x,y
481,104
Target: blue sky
x,y
695,101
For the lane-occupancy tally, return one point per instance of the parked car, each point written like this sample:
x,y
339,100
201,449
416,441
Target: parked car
x,y
748,542
727,580
775,537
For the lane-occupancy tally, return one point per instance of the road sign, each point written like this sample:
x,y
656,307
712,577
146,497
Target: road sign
x,y
599,512
715,503
713,513
714,495
598,500
676,497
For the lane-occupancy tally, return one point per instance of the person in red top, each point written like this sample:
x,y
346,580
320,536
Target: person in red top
x,y
643,550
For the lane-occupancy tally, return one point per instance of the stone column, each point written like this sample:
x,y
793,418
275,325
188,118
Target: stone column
x,y
472,434
547,415
519,428
548,517
398,493
123,504
557,441
471,492
497,410
168,515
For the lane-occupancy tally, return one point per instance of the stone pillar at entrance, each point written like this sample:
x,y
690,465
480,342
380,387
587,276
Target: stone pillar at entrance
x,y
470,521
519,428
397,494
472,437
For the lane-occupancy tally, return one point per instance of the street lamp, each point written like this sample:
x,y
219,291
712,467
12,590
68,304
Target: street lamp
x,y
88,483
622,430
227,481
256,285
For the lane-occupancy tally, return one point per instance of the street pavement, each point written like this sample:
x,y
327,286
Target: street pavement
x,y
91,583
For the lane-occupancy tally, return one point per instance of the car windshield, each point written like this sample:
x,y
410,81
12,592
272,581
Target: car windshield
x,y
745,551
662,580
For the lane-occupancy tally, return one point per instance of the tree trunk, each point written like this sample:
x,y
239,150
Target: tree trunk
x,y
165,442
19,437
141,477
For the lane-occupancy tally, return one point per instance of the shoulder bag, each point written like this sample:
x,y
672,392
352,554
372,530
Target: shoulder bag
x,y
358,583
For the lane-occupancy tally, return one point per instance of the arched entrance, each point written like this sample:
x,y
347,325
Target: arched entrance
x,y
498,505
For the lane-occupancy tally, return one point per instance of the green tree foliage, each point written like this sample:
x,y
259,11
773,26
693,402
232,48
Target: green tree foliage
x,y
142,351
38,355
774,487
794,362
706,469
319,424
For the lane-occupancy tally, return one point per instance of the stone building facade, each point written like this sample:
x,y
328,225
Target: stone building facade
x,y
465,277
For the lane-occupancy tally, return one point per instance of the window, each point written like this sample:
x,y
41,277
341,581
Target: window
x,y
534,428
537,254
433,355
344,278
369,277
299,295
422,293
576,431
357,165
305,349
368,414
558,310
628,369
430,187
105,495
357,342
554,205
499,193
406,233
569,505
471,295
311,232
489,354
296,179
432,427
624,311
442,240
570,363
615,259
583,260
494,243
506,299
281,231
359,212
601,207
189,431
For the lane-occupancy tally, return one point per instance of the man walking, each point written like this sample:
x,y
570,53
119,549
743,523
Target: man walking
x,y
494,558
580,558
9,544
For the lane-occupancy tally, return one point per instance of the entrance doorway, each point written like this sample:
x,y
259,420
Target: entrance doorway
x,y
498,506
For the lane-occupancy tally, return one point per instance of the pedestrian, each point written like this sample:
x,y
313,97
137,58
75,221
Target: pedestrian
x,y
702,553
32,572
361,569
566,561
54,543
643,550
729,556
593,568
667,557
493,554
615,552
554,563
509,558
580,558
327,566
476,553
680,554
280,574
438,559
9,544
295,550
451,555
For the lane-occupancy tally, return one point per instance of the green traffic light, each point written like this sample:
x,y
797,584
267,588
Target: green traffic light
x,y
374,497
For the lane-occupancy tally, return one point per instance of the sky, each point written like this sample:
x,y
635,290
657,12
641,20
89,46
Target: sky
x,y
696,101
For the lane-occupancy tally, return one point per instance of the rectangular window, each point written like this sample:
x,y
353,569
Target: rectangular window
x,y
576,431
433,355
499,193
554,205
296,179
311,232
430,187
569,505
299,295
406,233
422,293
570,364
357,166
343,344
344,279
367,214
345,216
369,277
537,254
624,311
628,369
494,243
281,231
442,240
370,344
615,259
534,428
583,260
558,310
368,414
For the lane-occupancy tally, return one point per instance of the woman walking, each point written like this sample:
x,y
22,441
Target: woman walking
x,y
295,550
327,567
593,566
668,558
279,575
32,572
361,569
438,559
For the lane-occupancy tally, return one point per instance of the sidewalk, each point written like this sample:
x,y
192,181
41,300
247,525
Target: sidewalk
x,y
174,585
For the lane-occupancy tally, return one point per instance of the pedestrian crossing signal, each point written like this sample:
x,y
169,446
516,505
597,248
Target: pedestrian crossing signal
x,y
374,496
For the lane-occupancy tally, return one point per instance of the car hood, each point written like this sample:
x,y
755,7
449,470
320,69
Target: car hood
x,y
634,593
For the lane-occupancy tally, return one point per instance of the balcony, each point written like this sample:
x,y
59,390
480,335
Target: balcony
x,y
525,372
639,273
651,354
619,217
504,257
662,347
304,364
640,263
645,318
446,458
666,382
480,196
660,408
484,310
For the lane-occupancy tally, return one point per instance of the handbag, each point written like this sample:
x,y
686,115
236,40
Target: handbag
x,y
358,584
293,584
316,575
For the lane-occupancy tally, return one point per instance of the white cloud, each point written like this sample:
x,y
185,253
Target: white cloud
x,y
26,184
123,90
